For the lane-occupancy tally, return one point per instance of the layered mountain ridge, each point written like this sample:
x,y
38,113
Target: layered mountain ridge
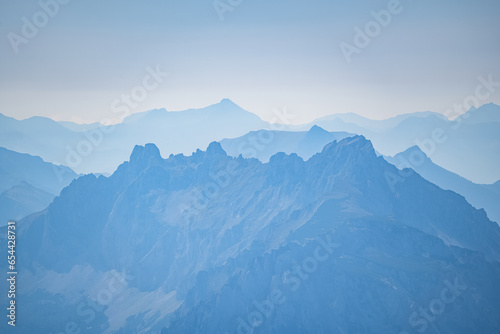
x,y
205,237
483,196
28,184
467,145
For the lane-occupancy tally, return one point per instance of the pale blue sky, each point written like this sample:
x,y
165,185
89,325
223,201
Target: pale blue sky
x,y
264,55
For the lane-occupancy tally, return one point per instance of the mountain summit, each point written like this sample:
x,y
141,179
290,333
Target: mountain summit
x,y
147,152
215,149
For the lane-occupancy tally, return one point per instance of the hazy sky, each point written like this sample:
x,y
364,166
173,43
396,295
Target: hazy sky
x,y
263,55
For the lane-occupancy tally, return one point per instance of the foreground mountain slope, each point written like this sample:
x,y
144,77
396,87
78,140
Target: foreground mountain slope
x,y
480,196
349,280
198,239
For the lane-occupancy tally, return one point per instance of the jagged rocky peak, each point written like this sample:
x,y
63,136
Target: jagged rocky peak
x,y
316,133
315,129
283,158
215,149
350,145
147,153
415,152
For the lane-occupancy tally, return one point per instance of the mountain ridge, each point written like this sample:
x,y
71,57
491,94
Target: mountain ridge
x,y
474,136
188,227
481,196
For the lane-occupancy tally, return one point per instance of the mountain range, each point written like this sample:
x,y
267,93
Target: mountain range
x,y
263,144
97,148
28,184
468,145
210,243
481,196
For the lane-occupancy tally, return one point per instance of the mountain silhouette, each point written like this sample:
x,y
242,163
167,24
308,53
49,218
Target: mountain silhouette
x,y
467,145
481,196
263,144
28,184
101,149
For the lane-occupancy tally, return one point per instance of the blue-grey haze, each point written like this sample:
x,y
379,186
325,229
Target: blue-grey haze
x,y
468,146
265,54
28,184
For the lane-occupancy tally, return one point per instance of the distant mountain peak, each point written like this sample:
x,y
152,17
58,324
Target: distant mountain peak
x,y
492,107
415,148
228,106
412,155
215,149
317,129
225,104
146,153
317,133
226,101
487,113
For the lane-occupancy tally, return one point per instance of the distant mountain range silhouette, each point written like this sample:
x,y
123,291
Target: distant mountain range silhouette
x,y
468,146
